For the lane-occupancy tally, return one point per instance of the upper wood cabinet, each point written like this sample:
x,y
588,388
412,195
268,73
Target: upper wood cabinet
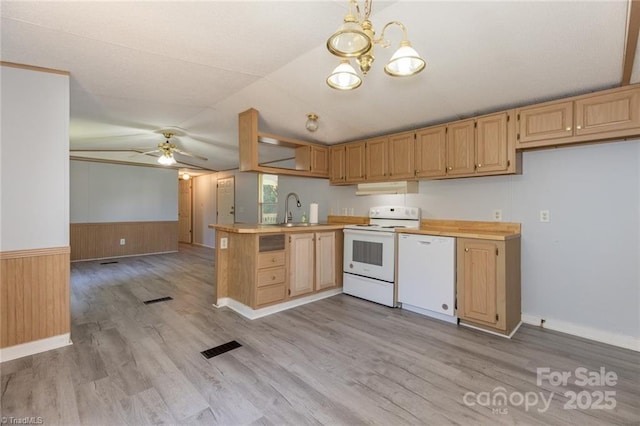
x,y
545,122
482,146
461,148
309,159
607,115
610,112
376,159
337,170
431,152
493,144
355,162
401,151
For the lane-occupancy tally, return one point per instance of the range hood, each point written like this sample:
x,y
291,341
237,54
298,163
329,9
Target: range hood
x,y
400,187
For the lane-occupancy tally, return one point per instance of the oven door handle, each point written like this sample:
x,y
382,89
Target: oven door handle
x,y
380,234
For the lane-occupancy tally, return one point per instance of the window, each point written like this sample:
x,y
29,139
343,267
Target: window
x,y
268,198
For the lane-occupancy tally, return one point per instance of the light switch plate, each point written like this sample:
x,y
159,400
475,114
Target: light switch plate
x,y
223,243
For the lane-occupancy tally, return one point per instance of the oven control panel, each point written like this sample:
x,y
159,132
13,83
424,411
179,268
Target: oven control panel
x,y
395,212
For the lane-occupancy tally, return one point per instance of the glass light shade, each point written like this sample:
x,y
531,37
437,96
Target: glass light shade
x,y
186,176
349,41
405,61
166,159
344,77
312,122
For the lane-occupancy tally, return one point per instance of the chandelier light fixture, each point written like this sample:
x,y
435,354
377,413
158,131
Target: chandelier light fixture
x,y
355,38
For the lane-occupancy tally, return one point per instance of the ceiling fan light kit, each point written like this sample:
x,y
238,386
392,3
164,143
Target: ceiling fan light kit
x,y
355,38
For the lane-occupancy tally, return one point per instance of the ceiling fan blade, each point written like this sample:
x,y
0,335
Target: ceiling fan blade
x,y
190,155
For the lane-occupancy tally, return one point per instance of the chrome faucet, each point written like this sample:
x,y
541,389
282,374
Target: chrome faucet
x,y
287,214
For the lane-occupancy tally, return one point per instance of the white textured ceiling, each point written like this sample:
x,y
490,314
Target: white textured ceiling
x,y
137,67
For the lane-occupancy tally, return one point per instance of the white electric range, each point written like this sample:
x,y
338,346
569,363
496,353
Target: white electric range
x,y
370,253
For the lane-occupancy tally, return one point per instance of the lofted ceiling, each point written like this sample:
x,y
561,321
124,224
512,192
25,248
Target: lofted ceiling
x,y
140,67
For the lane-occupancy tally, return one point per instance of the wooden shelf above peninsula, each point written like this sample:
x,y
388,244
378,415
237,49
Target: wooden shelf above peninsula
x,y
300,158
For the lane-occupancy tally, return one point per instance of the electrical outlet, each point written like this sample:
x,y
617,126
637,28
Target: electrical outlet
x,y
122,241
497,215
223,243
544,216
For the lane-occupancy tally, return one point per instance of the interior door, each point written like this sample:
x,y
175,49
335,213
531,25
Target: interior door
x,y
184,211
226,200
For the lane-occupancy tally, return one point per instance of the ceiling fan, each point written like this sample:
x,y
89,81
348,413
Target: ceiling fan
x,y
167,150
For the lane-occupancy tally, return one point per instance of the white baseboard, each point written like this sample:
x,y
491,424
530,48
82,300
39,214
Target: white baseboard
x,y
610,338
35,347
252,314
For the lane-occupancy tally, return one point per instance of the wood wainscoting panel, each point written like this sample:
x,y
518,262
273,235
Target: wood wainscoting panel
x,y
102,240
34,295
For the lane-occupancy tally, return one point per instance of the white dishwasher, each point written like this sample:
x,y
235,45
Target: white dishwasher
x,y
427,275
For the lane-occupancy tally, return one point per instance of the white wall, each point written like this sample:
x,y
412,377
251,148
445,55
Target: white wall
x,y
34,159
204,209
103,192
579,271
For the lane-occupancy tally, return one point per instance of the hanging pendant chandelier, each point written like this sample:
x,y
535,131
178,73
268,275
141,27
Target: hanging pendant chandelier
x,y
355,38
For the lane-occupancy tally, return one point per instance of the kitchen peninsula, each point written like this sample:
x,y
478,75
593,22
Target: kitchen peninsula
x,y
262,269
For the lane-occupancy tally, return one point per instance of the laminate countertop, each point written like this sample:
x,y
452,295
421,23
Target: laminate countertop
x,y
497,231
256,228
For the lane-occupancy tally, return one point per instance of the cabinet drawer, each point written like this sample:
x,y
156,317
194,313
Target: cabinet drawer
x,y
270,294
270,276
270,259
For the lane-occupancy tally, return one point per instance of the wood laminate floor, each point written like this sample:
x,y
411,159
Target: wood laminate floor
x,y
341,360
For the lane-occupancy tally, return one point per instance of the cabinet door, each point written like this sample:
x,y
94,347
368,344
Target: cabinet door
x,y
401,156
376,159
549,122
325,260
336,174
301,261
431,152
354,162
319,160
491,143
608,113
461,148
477,280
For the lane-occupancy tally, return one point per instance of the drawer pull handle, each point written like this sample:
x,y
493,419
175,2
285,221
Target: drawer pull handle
x,y
579,127
273,277
273,259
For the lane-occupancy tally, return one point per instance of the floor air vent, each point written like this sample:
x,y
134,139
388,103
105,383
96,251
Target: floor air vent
x,y
219,350
109,263
162,299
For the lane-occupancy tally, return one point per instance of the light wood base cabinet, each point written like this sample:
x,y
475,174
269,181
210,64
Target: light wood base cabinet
x,y
291,264
313,259
488,283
